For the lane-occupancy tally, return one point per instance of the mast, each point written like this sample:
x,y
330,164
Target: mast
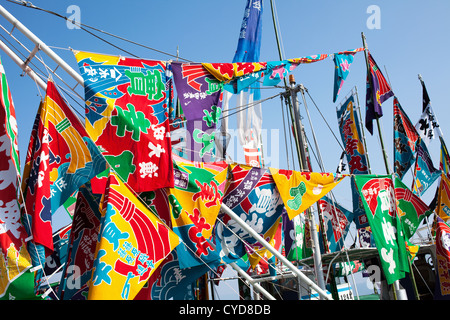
x,y
295,129
385,158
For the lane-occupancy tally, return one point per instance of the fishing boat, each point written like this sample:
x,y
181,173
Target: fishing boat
x,y
142,196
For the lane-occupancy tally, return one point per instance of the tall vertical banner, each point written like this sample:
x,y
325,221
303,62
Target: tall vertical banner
x,y
443,259
379,201
16,282
132,244
127,106
350,130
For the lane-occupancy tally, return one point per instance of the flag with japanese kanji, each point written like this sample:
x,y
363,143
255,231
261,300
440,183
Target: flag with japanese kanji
x,y
194,205
16,281
378,197
61,157
252,195
132,244
127,107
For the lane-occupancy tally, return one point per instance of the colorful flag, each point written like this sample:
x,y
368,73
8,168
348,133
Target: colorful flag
x,y
127,106
16,281
405,139
428,126
61,157
132,244
170,281
425,97
297,237
444,164
249,42
443,259
82,243
195,203
425,174
300,190
336,220
349,127
443,208
410,208
253,196
378,196
248,50
200,95
378,91
342,62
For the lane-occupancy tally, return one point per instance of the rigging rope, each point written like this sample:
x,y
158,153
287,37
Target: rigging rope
x,y
83,26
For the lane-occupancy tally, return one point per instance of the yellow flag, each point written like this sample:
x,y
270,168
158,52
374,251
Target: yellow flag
x,y
300,190
133,242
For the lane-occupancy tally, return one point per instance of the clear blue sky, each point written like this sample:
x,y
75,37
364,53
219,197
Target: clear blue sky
x,y
412,39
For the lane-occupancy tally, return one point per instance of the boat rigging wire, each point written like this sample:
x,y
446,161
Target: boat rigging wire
x,y
84,27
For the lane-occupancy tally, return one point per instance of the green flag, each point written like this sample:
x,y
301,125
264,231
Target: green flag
x,y
379,201
410,208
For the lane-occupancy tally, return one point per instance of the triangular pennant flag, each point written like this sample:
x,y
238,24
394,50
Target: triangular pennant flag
x,y
379,201
342,62
132,244
300,190
378,91
61,157
127,107
195,203
405,139
16,282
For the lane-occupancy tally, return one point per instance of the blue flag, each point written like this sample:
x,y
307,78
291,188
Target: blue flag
x,y
249,42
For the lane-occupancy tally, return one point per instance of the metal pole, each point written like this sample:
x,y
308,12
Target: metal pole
x,y
377,119
272,250
23,66
254,283
303,166
19,26
297,142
